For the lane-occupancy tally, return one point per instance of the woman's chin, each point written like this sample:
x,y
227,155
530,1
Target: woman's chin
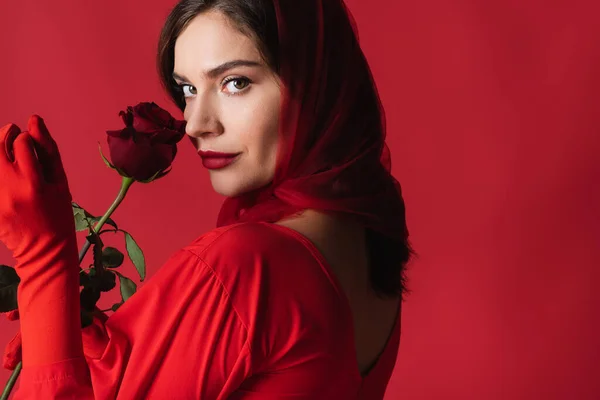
x,y
225,191
225,188
234,189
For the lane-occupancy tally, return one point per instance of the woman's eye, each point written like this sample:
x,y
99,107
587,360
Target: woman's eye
x,y
188,90
236,85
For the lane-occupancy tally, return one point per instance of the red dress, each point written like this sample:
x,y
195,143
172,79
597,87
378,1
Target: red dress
x,y
248,311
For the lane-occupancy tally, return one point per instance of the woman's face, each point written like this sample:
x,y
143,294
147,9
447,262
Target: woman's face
x,y
232,103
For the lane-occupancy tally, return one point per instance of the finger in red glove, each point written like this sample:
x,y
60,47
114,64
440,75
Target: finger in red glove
x,y
12,353
8,134
12,315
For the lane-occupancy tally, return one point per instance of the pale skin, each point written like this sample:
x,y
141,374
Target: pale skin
x,y
236,110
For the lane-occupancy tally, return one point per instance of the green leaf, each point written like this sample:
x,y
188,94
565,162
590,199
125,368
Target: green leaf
x,y
8,275
81,223
9,283
107,281
81,219
86,318
116,306
119,170
112,258
109,221
84,279
104,158
122,173
88,297
84,219
77,208
135,255
128,287
157,175
8,298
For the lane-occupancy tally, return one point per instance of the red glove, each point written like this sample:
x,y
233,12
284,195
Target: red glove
x,y
37,225
95,339
12,351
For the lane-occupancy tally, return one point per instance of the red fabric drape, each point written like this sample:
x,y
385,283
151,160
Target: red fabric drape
x,y
332,154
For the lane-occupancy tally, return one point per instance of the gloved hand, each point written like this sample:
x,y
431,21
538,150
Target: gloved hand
x,y
12,351
37,226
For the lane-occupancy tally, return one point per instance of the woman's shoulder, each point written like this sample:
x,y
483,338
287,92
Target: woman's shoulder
x,y
277,282
268,260
255,239
255,252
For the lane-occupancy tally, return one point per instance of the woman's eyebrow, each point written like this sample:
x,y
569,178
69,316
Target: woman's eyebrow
x,y
214,72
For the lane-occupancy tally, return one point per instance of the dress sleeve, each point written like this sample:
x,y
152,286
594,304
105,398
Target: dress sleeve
x,y
179,336
68,379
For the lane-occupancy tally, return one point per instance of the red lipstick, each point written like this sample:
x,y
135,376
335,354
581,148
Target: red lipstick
x,y
216,160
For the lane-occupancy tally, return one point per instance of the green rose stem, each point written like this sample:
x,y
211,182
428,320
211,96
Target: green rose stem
x,y
11,381
125,185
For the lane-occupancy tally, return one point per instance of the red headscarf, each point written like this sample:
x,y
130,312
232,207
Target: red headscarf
x,y
332,154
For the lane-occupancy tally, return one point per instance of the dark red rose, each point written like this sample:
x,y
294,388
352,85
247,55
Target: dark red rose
x,y
148,144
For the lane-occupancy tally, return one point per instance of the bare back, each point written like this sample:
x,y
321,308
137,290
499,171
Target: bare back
x,y
343,245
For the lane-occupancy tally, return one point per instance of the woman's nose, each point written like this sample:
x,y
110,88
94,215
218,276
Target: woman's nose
x,y
202,120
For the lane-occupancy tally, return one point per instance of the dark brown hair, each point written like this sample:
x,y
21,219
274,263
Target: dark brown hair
x,y
254,18
257,19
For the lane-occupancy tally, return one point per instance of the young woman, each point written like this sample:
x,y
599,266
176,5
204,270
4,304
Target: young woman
x,y
297,293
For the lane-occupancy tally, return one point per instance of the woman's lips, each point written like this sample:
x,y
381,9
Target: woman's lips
x,y
216,160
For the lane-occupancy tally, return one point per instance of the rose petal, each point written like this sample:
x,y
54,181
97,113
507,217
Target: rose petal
x,y
148,144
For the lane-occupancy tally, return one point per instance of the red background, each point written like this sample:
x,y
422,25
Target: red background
x,y
493,118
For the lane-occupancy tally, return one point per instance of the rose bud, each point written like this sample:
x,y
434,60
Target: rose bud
x,y
147,146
